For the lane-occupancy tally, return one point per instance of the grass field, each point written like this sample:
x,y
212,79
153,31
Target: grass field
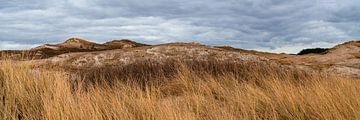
x,y
256,92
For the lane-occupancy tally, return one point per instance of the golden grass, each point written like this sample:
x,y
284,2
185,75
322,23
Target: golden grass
x,y
357,55
38,94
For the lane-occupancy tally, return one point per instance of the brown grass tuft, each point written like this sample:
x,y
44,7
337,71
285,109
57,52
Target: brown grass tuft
x,y
356,55
195,90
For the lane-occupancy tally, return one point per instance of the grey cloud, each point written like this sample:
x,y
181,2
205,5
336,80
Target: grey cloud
x,y
269,25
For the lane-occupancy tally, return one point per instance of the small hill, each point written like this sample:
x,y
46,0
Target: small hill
x,y
80,45
123,44
72,43
77,40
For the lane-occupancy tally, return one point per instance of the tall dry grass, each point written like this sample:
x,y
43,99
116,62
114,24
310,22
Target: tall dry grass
x,y
188,94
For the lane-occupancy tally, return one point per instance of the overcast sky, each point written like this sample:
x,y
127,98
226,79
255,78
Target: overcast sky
x,y
267,25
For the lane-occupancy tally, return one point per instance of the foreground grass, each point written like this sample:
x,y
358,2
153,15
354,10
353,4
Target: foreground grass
x,y
36,94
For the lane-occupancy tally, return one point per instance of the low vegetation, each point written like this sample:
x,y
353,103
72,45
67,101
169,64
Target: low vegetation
x,y
193,91
314,51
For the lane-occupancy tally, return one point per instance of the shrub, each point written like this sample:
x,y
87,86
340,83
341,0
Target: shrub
x,y
313,50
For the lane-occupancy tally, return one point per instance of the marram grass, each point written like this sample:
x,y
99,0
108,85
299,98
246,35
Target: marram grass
x,y
28,93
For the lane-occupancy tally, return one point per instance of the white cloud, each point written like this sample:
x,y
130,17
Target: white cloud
x,y
296,48
6,45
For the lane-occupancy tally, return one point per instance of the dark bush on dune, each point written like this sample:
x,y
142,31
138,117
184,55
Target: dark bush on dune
x,y
313,50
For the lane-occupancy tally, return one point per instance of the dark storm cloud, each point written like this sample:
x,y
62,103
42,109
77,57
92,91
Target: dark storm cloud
x,y
269,25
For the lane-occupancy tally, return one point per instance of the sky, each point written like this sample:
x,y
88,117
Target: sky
x,y
267,25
